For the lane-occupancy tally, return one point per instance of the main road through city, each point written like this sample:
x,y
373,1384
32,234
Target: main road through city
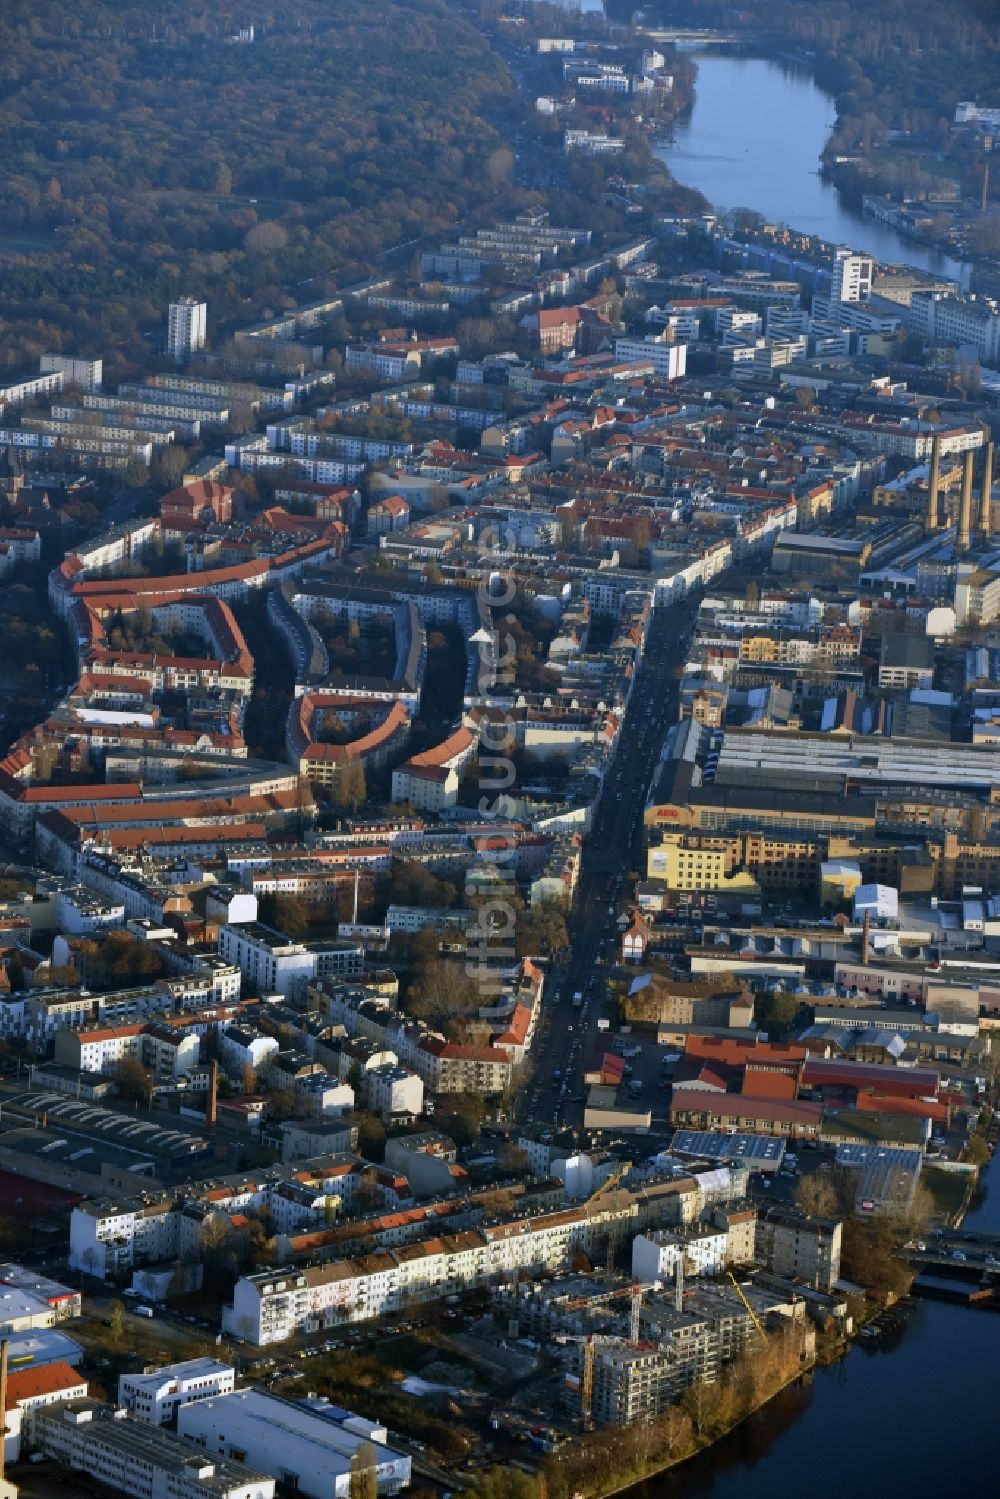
x,y
612,848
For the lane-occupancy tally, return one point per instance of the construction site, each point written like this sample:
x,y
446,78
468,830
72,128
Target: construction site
x,y
631,1350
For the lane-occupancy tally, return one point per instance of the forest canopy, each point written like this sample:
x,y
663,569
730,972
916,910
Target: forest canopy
x,y
147,153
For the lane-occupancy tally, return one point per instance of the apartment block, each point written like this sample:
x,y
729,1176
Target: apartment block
x,y
799,1247
156,1397
141,1461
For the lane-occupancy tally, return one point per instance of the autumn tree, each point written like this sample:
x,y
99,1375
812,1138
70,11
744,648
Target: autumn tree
x,y
442,992
977,1151
817,1196
776,1013
133,1081
371,1137
350,788
170,466
363,1475
410,884
868,1256
462,1116
116,1320
265,238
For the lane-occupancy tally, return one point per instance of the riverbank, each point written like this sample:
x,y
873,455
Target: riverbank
x,y
613,1461
754,139
691,1451
635,1484
950,1353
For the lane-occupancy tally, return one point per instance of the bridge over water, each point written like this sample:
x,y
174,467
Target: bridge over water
x,y
680,37
959,1251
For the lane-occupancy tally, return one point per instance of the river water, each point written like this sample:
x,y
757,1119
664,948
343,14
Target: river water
x,y
753,140
910,1416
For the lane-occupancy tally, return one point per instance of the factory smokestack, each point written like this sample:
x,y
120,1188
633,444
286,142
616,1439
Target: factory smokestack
x,y
985,499
965,506
933,484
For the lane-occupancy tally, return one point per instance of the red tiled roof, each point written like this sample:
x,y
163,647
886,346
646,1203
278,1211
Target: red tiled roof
x,y
45,1379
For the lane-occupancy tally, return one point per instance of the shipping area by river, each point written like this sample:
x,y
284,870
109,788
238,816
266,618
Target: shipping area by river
x,y
911,1413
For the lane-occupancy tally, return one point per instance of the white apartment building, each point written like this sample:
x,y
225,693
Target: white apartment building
x,y
272,1306
106,1236
448,1067
30,1391
170,1052
239,1048
389,1090
98,1050
669,360
959,322
19,544
699,1250
369,359
851,276
46,1015
79,911
155,1398
86,373
977,597
269,962
415,918
322,1096
142,1461
109,1235
211,982
31,388
186,328
426,788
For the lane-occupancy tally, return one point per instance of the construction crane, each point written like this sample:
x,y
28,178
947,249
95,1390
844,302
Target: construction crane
x,y
614,1228
587,1386
579,1302
589,1341
610,1184
635,1308
739,1292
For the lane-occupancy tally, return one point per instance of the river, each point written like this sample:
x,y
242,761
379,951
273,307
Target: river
x,y
909,1416
753,139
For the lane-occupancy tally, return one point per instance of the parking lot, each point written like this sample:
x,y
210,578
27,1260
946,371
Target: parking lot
x,y
649,1069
